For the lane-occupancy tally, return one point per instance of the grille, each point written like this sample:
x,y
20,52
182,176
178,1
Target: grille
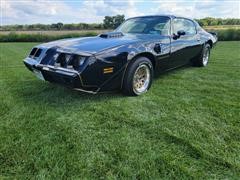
x,y
35,53
39,51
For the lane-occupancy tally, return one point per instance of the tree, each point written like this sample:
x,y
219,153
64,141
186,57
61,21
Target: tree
x,y
108,22
111,22
59,26
68,27
119,19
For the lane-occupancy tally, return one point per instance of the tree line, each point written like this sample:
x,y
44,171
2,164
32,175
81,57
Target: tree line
x,y
109,22
47,27
209,21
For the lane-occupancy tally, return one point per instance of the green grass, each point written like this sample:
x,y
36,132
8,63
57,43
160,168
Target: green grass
x,y
187,126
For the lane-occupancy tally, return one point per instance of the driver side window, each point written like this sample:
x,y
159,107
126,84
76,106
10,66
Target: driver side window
x,y
184,25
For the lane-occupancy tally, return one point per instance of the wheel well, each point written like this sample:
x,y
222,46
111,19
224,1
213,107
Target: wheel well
x,y
147,55
210,43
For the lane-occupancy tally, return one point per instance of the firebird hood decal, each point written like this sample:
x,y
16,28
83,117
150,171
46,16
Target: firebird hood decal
x,y
97,44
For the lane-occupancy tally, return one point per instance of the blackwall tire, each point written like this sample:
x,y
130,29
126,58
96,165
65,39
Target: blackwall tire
x,y
203,58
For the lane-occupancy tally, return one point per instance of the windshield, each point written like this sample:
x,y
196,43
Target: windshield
x,y
146,25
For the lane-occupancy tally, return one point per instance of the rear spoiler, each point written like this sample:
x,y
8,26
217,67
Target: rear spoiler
x,y
213,33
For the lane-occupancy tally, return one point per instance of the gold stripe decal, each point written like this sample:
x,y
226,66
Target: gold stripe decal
x,y
108,70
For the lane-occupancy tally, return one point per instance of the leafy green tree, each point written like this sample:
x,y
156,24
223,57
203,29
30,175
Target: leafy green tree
x,y
111,22
59,26
119,19
108,22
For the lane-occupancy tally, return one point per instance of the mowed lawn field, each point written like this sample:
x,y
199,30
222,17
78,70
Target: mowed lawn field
x,y
187,126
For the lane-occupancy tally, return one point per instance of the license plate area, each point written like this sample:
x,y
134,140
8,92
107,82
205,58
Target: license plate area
x,y
38,74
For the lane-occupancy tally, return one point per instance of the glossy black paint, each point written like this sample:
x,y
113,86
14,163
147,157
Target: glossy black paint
x,y
113,50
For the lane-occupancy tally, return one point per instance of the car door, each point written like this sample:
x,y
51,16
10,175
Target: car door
x,y
185,42
164,44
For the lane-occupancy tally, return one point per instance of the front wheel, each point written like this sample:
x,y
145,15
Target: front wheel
x,y
203,59
138,77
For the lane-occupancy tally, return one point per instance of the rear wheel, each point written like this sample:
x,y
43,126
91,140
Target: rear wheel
x,y
203,58
138,77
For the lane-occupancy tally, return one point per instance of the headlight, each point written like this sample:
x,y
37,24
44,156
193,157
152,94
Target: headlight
x,y
74,61
61,59
78,61
67,58
81,60
55,57
91,60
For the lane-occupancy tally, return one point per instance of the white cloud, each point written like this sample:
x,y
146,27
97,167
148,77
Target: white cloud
x,y
40,11
46,11
199,9
103,8
33,11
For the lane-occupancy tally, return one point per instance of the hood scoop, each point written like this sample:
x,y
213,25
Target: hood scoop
x,y
111,35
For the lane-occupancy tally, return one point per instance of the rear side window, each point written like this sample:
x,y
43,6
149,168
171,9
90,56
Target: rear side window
x,y
180,24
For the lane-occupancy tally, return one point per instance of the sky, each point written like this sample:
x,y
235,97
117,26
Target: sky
x,y
90,11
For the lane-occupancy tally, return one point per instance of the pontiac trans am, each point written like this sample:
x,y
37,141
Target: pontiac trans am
x,y
127,58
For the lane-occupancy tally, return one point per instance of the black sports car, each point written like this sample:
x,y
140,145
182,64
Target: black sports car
x,y
126,58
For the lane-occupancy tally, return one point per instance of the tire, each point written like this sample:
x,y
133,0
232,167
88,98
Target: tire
x,y
203,58
138,77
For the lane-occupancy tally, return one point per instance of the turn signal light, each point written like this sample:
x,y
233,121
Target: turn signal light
x,y
108,70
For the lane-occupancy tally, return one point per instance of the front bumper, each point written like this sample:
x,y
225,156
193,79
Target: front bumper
x,y
67,77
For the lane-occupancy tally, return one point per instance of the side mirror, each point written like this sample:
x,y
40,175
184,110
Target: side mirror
x,y
181,33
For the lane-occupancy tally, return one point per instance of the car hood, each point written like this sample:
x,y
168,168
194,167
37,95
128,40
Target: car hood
x,y
97,44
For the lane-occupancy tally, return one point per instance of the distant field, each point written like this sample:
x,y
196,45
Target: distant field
x,y
186,127
100,31
54,32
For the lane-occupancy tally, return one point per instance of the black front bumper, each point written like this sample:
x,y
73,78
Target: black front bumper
x,y
67,77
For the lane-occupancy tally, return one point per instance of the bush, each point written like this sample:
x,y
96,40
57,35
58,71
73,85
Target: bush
x,y
229,35
13,37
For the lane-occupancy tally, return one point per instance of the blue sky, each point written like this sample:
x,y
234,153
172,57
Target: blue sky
x,y
75,11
